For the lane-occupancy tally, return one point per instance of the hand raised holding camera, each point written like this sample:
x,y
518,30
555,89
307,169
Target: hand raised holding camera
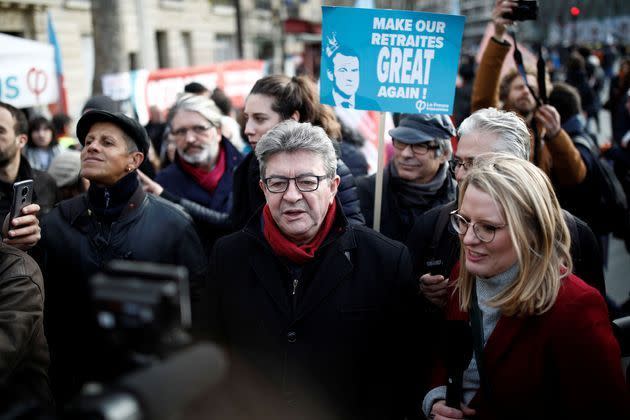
x,y
502,8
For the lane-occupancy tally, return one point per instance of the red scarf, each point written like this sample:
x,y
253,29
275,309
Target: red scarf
x,y
297,254
207,179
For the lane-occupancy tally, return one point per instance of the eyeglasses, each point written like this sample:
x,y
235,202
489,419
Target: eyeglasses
x,y
304,183
455,164
197,129
418,148
483,231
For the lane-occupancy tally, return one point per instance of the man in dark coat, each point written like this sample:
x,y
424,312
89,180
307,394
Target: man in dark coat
x,y
317,309
115,219
14,168
417,178
201,178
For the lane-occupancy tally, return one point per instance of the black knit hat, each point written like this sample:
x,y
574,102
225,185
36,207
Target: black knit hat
x,y
130,126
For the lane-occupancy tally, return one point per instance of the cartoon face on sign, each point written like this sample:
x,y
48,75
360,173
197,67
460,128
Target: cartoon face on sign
x,y
344,63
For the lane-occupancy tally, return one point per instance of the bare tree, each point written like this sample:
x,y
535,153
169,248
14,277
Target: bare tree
x,y
109,52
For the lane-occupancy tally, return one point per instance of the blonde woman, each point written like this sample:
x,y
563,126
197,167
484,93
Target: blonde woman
x,y
544,344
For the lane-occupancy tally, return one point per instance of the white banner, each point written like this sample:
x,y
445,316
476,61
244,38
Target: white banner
x,y
27,72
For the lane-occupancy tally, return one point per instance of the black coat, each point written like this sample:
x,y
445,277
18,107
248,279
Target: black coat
x,y
395,220
337,348
75,245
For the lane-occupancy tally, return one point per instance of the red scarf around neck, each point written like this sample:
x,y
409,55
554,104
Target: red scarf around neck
x,y
283,247
207,179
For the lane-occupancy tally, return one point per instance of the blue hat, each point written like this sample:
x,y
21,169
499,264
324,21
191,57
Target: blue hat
x,y
421,128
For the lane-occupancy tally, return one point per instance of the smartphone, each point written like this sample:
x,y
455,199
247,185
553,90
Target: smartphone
x,y
524,10
434,266
22,197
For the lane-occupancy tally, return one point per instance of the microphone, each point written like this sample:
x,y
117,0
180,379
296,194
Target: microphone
x,y
458,353
160,392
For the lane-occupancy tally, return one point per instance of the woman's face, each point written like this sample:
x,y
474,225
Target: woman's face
x,y
259,116
485,259
41,136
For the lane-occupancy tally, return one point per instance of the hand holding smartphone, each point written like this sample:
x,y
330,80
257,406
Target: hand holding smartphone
x,y
22,197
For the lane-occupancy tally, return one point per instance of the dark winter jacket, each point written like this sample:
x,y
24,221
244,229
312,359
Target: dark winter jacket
x,y
329,338
583,199
24,355
75,245
396,221
45,192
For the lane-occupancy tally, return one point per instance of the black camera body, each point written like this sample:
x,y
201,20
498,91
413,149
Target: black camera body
x,y
524,10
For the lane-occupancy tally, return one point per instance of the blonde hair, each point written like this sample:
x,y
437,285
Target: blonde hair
x,y
536,227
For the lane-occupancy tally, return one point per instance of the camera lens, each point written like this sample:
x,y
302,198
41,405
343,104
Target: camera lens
x,y
24,191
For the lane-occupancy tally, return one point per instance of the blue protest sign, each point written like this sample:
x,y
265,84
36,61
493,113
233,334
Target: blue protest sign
x,y
390,60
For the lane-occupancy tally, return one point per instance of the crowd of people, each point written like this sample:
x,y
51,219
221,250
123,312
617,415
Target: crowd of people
x,y
492,219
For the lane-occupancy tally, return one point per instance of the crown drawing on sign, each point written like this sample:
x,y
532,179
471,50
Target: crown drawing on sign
x,y
331,44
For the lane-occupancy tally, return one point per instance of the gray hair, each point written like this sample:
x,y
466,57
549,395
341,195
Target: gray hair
x,y
445,147
510,129
291,136
197,103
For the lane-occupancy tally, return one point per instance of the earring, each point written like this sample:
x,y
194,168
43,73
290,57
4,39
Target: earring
x,y
128,168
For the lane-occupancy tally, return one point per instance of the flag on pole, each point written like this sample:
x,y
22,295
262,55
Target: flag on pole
x,y
62,104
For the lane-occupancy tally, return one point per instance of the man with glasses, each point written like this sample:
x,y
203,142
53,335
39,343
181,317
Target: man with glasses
x,y
433,240
319,310
200,178
202,171
417,178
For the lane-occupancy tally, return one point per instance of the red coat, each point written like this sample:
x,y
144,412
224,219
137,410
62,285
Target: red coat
x,y
564,364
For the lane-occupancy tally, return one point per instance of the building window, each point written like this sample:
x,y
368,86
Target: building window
x,y
263,4
162,49
188,48
224,47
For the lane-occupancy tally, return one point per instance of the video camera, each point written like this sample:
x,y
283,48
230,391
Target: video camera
x,y
524,10
143,311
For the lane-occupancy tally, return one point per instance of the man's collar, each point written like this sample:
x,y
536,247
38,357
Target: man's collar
x,y
339,99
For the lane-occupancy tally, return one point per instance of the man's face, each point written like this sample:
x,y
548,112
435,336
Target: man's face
x,y
105,158
346,72
299,215
470,146
519,98
416,167
197,140
10,143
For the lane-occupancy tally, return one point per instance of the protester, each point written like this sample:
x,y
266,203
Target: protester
x,y
319,309
65,169
201,177
24,231
115,219
616,104
41,146
229,126
576,76
416,179
552,149
274,99
24,355
583,200
435,248
62,124
532,321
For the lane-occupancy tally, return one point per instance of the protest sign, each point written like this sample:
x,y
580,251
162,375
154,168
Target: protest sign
x,y
27,72
390,60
